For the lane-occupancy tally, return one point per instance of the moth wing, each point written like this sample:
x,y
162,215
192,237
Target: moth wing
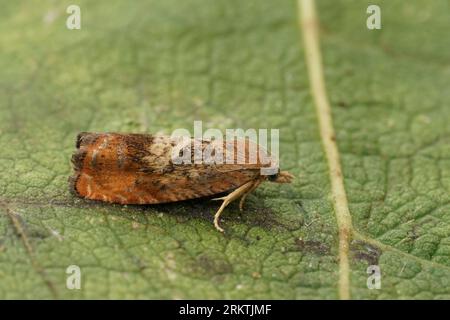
x,y
189,183
138,169
107,165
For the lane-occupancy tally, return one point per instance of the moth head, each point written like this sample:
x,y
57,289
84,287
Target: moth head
x,y
281,177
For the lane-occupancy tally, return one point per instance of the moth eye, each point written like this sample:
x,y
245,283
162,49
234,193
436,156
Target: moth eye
x,y
273,177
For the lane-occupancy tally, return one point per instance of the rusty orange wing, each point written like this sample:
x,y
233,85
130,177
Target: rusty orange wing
x,y
138,169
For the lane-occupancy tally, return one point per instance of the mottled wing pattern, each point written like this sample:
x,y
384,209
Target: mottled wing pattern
x,y
138,169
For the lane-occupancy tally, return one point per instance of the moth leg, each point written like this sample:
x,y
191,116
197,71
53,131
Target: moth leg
x,y
230,198
253,187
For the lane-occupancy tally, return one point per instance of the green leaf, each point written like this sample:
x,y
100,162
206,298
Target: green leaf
x,y
154,66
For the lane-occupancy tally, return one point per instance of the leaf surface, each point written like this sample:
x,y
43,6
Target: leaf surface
x,y
154,66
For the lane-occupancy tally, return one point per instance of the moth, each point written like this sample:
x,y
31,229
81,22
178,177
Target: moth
x,y
146,169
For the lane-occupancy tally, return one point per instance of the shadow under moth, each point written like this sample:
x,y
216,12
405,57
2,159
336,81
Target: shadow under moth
x,y
147,169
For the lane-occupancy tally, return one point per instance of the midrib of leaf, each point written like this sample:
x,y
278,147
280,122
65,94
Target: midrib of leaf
x,y
308,23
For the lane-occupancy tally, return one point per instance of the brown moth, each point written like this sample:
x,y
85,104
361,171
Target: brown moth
x,y
142,169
